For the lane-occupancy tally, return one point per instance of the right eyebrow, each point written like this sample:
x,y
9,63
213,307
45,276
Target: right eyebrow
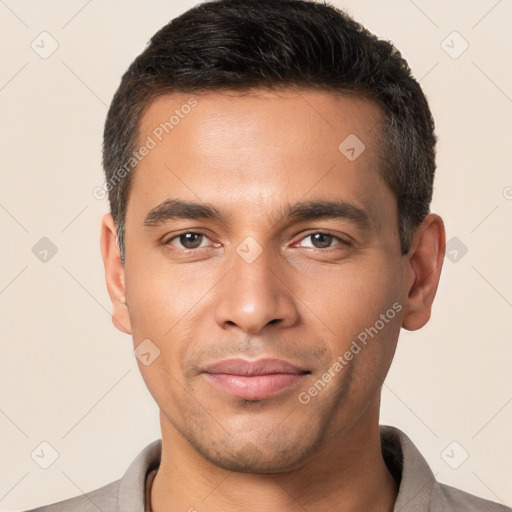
x,y
176,209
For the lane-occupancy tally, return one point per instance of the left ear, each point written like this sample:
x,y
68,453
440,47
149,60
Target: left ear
x,y
424,264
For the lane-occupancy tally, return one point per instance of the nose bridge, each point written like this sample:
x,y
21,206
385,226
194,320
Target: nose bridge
x,y
252,296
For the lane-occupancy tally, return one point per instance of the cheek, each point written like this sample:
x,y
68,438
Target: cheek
x,y
165,306
351,297
360,305
161,296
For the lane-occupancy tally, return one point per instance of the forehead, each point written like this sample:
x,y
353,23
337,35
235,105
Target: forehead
x,y
258,117
259,148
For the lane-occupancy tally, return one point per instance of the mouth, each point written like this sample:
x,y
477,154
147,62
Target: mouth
x,y
254,380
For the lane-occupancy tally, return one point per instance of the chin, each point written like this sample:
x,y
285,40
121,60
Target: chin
x,y
276,455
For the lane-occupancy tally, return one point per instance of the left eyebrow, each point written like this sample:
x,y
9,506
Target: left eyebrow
x,y
340,209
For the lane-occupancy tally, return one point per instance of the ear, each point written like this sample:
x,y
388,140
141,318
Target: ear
x,y
424,263
114,274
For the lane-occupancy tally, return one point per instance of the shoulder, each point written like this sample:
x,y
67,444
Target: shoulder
x,y
451,498
127,493
103,498
419,490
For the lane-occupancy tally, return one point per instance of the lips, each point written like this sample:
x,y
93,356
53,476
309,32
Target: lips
x,y
254,380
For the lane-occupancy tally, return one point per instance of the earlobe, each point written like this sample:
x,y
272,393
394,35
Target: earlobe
x,y
424,264
114,274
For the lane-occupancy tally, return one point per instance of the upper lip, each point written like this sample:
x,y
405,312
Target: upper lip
x,y
243,367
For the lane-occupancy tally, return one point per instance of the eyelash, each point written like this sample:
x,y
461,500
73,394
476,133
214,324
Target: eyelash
x,y
341,241
171,247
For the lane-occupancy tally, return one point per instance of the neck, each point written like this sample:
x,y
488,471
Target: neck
x,y
349,470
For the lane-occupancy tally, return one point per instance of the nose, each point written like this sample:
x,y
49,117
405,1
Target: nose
x,y
255,295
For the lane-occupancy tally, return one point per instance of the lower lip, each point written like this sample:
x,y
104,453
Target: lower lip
x,y
256,387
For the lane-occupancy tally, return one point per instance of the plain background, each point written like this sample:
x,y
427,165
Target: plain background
x,y
69,378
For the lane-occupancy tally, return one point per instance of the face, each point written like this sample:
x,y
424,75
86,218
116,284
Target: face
x,y
252,234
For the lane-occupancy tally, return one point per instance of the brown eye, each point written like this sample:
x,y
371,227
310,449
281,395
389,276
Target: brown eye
x,y
191,240
321,240
188,240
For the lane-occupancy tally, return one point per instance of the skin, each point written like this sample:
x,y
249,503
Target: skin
x,y
249,155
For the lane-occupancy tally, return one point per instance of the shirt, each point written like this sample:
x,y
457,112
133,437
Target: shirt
x,y
418,491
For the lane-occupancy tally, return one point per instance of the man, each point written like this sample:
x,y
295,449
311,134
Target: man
x,y
270,167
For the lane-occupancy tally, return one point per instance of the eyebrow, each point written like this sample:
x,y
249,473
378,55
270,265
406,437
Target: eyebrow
x,y
172,209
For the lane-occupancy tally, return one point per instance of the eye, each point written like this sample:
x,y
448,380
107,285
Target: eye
x,y
321,240
188,241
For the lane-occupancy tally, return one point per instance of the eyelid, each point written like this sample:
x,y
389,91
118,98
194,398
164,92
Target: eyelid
x,y
342,240
185,232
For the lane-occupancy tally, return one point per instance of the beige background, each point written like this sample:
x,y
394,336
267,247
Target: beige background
x,y
69,377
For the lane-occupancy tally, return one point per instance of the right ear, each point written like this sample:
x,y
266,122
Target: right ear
x,y
114,274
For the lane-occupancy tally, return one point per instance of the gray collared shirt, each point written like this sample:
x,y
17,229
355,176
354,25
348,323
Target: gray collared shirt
x,y
419,491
